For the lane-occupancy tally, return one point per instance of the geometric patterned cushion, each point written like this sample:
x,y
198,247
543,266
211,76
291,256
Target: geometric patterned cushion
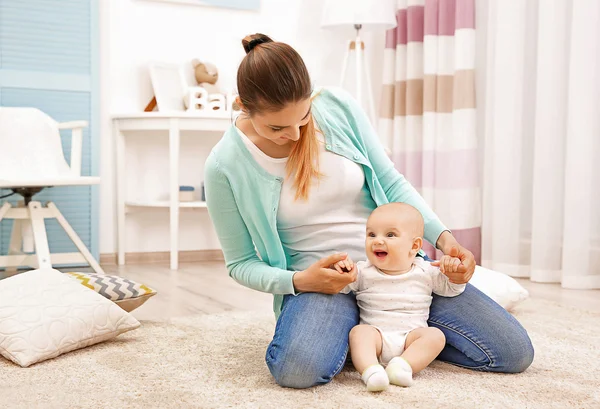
x,y
126,293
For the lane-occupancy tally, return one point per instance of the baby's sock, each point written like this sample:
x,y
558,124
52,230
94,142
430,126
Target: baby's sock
x,y
375,378
399,372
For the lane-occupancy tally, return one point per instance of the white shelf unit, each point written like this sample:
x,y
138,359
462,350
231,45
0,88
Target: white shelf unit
x,y
165,203
171,124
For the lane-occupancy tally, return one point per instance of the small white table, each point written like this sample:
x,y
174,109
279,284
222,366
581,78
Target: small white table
x,y
172,123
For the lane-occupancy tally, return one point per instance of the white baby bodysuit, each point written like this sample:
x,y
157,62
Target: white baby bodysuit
x,y
398,304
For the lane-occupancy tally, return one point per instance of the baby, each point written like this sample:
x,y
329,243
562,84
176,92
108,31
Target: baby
x,y
393,291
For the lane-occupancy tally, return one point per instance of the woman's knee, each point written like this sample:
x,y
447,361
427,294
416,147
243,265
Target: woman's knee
x,y
293,369
510,347
515,355
511,352
491,339
297,377
311,339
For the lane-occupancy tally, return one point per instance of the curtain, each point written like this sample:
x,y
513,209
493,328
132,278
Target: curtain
x,y
428,116
541,136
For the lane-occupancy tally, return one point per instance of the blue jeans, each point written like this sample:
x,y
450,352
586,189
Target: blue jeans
x,y
310,344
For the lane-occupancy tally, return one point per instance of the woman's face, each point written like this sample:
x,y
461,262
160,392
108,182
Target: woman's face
x,y
282,126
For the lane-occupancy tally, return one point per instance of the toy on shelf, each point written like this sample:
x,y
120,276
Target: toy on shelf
x,y
207,95
172,92
186,193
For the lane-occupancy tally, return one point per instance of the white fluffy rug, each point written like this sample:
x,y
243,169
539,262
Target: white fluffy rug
x,y
215,361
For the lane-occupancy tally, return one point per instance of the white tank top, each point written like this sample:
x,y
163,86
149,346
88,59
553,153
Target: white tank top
x,y
334,217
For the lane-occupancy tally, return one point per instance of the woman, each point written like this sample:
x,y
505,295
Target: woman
x,y
290,185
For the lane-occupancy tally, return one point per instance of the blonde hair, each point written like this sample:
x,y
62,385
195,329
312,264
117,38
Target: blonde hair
x,y
304,159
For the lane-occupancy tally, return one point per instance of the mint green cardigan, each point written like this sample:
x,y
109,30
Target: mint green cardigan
x,y
243,198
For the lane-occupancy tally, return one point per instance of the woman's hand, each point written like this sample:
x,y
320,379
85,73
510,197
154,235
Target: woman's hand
x,y
320,278
450,247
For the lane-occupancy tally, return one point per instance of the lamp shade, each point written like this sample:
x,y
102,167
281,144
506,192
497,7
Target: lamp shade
x,y
371,14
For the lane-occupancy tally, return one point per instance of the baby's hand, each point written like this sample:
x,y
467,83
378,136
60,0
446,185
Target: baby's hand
x,y
449,265
344,266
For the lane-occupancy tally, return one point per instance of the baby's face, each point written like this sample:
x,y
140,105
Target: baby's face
x,y
389,244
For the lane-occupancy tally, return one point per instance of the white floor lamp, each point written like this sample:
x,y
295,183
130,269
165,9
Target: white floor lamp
x,y
362,15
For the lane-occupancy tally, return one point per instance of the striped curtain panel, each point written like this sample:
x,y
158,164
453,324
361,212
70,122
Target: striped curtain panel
x,y
427,116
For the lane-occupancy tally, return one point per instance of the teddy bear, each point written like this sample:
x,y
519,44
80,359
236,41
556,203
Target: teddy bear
x,y
206,95
206,75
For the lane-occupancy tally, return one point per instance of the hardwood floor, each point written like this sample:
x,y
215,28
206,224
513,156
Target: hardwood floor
x,y
206,288
196,288
582,299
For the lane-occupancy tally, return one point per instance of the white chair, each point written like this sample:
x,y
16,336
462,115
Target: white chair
x,y
31,159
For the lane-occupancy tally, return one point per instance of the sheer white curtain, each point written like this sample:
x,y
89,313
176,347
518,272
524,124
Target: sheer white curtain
x,y
541,135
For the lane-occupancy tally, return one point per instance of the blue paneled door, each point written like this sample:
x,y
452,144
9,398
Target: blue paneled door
x,y
49,60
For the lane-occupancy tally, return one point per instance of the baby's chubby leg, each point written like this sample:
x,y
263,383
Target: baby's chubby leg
x,y
365,347
422,346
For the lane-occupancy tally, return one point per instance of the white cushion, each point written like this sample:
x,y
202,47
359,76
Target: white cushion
x,y
44,314
501,288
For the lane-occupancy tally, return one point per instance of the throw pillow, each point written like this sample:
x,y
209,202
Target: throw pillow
x,y
500,287
126,293
44,314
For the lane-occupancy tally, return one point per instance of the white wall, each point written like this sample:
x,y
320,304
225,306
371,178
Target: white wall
x,y
135,32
